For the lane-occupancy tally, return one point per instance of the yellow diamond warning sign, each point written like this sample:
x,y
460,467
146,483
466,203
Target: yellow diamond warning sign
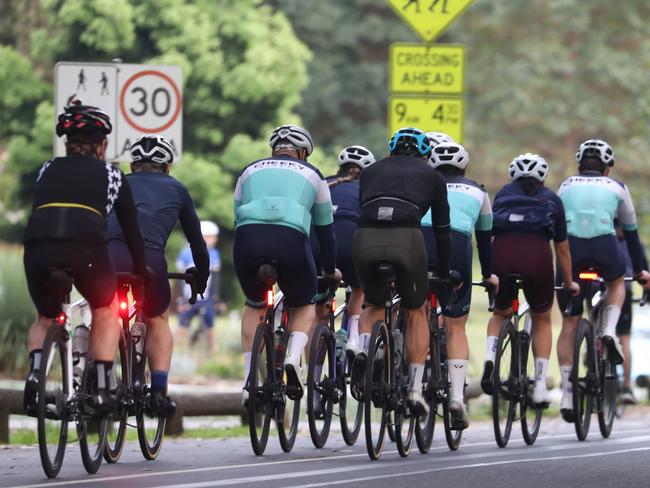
x,y
427,68
429,18
440,114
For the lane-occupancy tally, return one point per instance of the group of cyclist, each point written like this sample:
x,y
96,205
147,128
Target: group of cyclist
x,y
414,209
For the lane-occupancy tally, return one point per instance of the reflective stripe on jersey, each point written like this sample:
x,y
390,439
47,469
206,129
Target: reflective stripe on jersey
x,y
282,191
591,203
70,205
469,206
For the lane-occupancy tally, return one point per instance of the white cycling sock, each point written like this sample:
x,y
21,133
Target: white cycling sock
x,y
611,314
364,342
247,366
565,372
416,372
491,348
457,375
541,370
353,329
297,343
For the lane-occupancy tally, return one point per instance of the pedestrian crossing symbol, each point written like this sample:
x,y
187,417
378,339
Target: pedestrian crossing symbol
x,y
429,18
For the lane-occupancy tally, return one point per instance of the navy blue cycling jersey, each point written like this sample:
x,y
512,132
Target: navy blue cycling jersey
x,y
345,199
162,201
541,213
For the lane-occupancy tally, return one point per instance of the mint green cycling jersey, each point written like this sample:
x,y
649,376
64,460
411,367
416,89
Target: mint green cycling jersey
x,y
592,201
469,206
283,191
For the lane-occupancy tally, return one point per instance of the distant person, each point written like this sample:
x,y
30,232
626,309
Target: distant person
x,y
205,308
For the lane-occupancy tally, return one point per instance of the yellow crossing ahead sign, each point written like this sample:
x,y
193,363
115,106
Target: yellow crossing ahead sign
x,y
441,114
427,68
429,18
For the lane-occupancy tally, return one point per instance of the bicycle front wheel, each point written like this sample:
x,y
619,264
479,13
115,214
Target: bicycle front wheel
x,y
321,387
260,387
582,379
503,403
377,383
151,430
531,416
53,395
116,434
607,402
91,428
404,419
425,425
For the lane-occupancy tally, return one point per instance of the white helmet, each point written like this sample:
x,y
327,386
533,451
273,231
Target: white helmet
x,y
154,148
528,164
449,153
596,148
297,137
209,228
436,138
358,155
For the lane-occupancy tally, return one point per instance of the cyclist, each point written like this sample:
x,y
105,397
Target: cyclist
x,y
395,194
527,215
162,201
277,200
67,230
592,201
470,211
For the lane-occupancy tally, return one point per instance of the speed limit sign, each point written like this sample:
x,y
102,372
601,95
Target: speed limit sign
x,y
140,99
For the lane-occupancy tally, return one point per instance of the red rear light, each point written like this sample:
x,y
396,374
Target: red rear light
x,y
333,305
61,318
270,298
123,305
434,301
589,276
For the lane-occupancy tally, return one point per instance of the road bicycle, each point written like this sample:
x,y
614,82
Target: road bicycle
x,y
594,380
513,376
269,396
65,386
131,379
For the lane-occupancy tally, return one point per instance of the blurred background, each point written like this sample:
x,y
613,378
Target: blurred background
x,y
541,77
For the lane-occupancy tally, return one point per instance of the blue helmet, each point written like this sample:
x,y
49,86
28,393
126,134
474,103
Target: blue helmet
x,y
410,139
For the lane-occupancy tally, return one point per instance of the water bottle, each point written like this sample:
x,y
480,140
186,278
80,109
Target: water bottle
x,y
280,350
79,350
138,333
341,341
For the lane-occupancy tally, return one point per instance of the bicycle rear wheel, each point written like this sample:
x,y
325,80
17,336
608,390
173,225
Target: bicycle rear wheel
x,y
404,419
116,433
91,428
151,430
350,410
607,404
425,425
531,416
288,417
582,379
320,385
260,388
376,385
53,394
503,404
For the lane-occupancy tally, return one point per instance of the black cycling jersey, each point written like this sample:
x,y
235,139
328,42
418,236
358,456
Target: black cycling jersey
x,y
74,195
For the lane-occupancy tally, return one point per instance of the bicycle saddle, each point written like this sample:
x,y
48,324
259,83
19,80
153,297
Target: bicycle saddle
x,y
386,273
59,282
513,278
267,274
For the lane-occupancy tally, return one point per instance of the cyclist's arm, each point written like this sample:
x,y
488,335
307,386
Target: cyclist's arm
x,y
127,215
563,256
322,216
627,217
192,229
441,226
483,233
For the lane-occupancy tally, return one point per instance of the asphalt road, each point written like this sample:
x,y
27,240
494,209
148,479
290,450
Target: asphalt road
x,y
557,459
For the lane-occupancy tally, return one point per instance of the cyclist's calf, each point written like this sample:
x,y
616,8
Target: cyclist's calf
x,y
104,333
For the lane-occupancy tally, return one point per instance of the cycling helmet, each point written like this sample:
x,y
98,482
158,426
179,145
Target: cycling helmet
x,y
449,153
83,120
598,149
154,148
297,137
209,228
528,164
410,139
357,155
436,138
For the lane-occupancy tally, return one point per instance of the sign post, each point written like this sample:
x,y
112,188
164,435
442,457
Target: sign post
x,y
139,99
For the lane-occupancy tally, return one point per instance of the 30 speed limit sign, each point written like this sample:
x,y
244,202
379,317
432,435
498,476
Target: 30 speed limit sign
x,y
141,99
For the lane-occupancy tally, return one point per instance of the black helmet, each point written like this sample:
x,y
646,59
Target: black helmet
x,y
154,148
83,121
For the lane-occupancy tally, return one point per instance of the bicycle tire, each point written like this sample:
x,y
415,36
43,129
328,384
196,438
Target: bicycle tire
x,y
607,404
531,416
404,420
150,442
321,388
503,404
91,455
425,426
350,410
581,381
54,359
115,443
376,384
260,387
288,414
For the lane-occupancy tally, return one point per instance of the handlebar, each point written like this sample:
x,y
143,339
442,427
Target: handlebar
x,y
489,289
190,280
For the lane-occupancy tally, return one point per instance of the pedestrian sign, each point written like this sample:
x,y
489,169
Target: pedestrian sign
x,y
429,18
427,68
139,99
440,114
